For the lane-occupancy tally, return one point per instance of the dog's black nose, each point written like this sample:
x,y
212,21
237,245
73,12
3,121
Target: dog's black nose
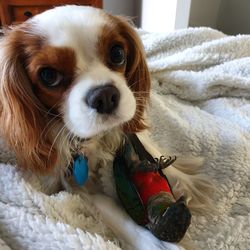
x,y
104,99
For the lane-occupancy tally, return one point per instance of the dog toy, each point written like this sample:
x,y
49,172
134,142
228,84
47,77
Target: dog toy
x,y
146,194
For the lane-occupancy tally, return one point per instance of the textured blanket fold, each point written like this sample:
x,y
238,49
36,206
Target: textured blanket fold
x,y
215,65
200,107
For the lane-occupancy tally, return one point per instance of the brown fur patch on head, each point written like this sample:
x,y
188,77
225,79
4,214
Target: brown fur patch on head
x,y
63,60
109,38
24,117
119,31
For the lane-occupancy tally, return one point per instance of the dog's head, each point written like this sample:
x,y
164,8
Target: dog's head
x,y
72,65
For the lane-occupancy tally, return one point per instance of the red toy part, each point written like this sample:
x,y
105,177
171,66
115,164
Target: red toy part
x,y
149,184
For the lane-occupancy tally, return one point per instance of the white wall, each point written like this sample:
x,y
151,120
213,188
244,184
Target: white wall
x,y
182,14
158,15
152,15
229,16
165,15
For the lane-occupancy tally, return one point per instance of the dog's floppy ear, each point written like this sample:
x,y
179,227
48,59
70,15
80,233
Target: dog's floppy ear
x,y
137,75
22,118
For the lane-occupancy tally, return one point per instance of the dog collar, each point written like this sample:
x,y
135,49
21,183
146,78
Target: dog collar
x,y
80,169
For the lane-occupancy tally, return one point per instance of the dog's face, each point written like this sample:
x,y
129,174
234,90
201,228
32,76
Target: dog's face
x,y
76,66
81,70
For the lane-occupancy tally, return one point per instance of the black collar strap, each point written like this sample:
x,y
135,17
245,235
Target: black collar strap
x,y
143,154
140,149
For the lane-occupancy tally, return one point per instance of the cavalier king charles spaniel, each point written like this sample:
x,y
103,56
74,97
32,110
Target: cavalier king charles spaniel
x,y
74,79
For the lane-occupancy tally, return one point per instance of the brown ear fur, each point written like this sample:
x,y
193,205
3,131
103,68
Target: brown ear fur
x,y
22,119
138,77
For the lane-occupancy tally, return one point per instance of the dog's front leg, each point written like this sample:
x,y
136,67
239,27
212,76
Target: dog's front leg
x,y
126,229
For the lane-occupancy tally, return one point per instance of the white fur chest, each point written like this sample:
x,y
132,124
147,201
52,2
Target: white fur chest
x,y
100,153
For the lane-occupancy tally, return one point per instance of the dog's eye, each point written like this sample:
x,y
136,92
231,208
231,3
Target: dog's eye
x,y
117,55
50,77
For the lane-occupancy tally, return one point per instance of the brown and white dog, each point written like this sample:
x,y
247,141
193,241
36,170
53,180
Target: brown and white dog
x,y
74,79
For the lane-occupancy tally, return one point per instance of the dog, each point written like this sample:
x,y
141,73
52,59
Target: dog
x,y
73,80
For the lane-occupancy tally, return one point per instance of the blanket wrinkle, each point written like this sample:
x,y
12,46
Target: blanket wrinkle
x,y
200,107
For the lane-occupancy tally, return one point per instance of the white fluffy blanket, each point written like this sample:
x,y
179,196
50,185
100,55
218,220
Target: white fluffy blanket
x,y
200,107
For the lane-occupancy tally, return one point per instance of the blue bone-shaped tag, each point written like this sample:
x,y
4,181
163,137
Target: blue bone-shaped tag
x,y
80,169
